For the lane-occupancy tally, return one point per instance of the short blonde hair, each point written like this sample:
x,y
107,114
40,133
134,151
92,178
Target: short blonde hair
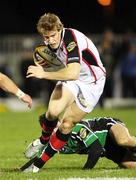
x,y
49,22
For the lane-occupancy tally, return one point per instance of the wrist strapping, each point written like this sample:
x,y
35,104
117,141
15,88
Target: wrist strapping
x,y
20,94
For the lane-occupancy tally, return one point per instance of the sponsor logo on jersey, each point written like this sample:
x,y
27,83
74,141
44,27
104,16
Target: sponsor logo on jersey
x,y
71,46
83,133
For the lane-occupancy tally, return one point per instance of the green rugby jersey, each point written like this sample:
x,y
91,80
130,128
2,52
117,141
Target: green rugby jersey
x,y
82,137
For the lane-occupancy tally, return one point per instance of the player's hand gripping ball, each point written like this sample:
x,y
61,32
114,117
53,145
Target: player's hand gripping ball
x,y
46,58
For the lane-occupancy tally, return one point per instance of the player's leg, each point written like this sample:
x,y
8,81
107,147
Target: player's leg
x,y
71,116
60,98
29,167
58,139
122,136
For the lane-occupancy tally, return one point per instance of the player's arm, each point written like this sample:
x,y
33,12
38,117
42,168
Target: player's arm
x,y
70,72
95,152
9,86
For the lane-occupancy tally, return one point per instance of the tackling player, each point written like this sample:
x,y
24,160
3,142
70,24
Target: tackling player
x,y
9,86
99,137
80,82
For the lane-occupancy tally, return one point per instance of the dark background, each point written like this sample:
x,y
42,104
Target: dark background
x,y
86,15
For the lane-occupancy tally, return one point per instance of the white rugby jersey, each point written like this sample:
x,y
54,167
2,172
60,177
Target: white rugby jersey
x,y
76,47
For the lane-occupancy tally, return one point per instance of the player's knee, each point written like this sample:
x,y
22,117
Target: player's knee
x,y
52,114
66,126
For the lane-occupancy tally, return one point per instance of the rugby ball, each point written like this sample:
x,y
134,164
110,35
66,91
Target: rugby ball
x,y
52,62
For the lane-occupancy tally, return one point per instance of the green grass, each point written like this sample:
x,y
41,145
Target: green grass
x,y
17,130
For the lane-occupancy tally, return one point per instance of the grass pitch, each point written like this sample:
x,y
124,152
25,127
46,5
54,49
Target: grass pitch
x,y
18,129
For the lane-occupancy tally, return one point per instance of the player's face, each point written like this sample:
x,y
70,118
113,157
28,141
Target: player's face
x,y
53,38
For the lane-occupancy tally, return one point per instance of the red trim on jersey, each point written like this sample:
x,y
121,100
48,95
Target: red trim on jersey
x,y
95,59
94,56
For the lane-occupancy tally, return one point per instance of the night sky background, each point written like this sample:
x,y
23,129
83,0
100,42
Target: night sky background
x,y
85,15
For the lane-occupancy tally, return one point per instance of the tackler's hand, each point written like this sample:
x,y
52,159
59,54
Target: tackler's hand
x,y
27,99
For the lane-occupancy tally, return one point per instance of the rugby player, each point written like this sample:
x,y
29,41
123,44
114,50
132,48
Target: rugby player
x,y
79,87
99,137
9,86
116,142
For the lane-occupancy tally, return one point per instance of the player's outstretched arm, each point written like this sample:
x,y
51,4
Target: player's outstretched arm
x,y
94,154
9,86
